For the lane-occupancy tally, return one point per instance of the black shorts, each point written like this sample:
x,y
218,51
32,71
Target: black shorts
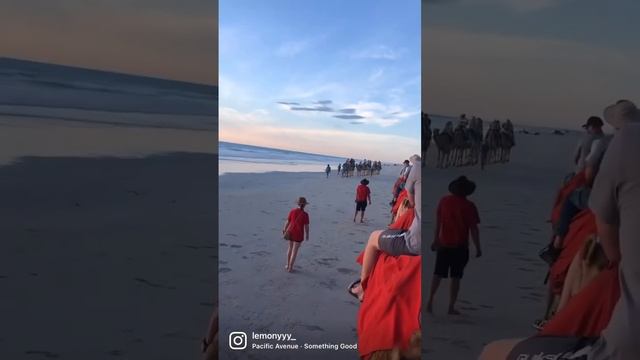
x,y
394,243
552,347
361,205
451,261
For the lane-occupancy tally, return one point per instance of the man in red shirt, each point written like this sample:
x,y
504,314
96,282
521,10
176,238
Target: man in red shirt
x,y
362,195
456,218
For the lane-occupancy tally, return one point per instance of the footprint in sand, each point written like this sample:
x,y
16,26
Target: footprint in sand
x,y
115,353
346,271
469,308
234,235
525,287
260,253
331,284
530,298
47,354
236,246
312,327
223,244
244,257
464,322
224,270
461,344
440,338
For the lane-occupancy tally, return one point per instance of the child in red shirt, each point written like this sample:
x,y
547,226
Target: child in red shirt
x,y
456,218
294,231
362,195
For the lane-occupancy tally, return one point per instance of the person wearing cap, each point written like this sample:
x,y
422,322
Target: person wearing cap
x,y
363,193
615,202
593,128
395,242
588,157
295,230
456,218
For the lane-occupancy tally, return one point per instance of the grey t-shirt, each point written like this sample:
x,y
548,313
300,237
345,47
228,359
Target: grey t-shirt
x,y
615,199
584,148
414,186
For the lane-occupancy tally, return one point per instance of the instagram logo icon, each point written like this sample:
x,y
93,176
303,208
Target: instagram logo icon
x,y
238,340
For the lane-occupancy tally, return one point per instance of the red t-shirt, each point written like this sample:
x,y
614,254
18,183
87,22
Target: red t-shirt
x,y
362,191
456,215
298,218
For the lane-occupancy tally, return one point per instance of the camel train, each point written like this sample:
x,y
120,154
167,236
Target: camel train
x,y
362,168
464,145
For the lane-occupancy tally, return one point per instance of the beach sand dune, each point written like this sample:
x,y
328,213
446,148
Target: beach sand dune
x,y
257,295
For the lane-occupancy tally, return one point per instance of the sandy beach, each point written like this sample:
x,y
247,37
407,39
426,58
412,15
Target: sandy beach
x,y
257,295
502,292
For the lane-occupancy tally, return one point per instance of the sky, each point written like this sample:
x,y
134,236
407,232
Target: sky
x,y
549,63
330,77
171,39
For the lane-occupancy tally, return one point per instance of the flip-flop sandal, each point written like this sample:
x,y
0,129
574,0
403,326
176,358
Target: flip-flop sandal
x,y
539,324
350,289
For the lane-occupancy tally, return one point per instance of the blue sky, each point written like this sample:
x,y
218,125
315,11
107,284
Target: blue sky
x,y
335,77
545,62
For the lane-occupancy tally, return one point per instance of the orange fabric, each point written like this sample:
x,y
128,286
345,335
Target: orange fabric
x,y
588,312
582,226
403,195
576,181
404,221
390,312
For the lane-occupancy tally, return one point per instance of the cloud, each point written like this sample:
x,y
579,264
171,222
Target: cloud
x,y
292,48
377,74
258,128
347,111
378,52
324,102
317,108
287,103
348,117
356,122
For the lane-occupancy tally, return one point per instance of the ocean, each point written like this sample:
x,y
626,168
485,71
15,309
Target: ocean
x,y
239,158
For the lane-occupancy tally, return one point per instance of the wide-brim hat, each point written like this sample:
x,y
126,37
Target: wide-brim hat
x,y
593,121
620,113
462,186
302,201
364,182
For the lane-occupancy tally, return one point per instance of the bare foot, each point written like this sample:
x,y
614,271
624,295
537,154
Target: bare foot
x,y
358,291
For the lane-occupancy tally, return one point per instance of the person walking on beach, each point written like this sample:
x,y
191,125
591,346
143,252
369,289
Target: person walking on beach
x,y
363,193
328,170
296,229
456,218
339,169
